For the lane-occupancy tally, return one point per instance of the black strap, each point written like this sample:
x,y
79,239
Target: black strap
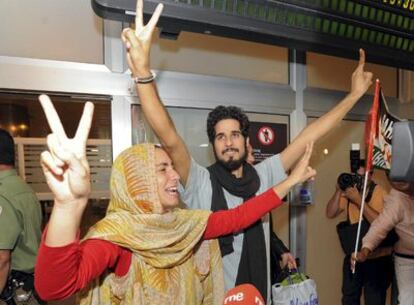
x,y
371,188
368,197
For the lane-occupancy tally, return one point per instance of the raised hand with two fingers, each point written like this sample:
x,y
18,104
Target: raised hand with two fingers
x,y
302,171
138,42
64,164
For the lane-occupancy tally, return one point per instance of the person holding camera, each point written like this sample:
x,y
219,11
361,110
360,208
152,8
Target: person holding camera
x,y
375,274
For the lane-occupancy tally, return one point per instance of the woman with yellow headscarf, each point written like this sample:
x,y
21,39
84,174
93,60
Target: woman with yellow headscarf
x,y
145,250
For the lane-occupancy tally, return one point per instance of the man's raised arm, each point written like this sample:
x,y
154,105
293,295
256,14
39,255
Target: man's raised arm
x,y
361,81
138,45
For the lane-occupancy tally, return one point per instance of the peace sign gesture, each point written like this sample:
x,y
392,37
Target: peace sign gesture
x,y
361,80
65,165
302,171
138,42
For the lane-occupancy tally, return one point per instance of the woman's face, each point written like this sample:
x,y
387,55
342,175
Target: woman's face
x,y
167,180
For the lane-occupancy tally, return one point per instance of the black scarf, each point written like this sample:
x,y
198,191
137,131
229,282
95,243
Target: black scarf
x,y
253,263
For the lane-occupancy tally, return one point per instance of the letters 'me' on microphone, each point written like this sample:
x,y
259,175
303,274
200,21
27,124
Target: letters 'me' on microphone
x,y
245,294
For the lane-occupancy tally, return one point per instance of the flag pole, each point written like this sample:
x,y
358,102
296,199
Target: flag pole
x,y
361,213
370,134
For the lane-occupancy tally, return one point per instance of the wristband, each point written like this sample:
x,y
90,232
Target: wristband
x,y
144,80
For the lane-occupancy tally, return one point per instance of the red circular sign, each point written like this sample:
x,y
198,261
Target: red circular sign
x,y
266,135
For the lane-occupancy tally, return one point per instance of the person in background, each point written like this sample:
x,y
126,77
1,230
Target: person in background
x,y
146,250
20,225
398,214
375,275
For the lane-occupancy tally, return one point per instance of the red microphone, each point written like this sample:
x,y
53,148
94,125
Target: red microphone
x,y
245,294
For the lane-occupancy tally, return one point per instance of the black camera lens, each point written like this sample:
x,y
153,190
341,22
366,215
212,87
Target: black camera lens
x,y
345,180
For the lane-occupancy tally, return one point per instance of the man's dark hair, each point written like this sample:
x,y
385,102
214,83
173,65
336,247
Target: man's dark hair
x,y
221,113
6,148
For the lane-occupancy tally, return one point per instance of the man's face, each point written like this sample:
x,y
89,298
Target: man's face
x,y
229,144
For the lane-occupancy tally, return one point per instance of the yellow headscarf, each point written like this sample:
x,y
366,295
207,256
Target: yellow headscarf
x,y
170,264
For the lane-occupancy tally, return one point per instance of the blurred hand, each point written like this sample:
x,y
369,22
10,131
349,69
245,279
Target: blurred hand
x,y
64,164
302,171
353,195
360,257
138,42
361,80
289,261
338,188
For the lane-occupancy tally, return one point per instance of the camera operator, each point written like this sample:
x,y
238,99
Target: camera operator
x,y
375,274
20,229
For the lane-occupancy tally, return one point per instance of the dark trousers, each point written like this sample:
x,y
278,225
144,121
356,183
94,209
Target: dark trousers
x,y
373,277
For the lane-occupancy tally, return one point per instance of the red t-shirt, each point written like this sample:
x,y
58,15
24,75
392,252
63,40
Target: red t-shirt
x,y
62,271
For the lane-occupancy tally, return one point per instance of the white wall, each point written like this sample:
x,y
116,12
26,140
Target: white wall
x,y
334,73
49,29
204,54
68,30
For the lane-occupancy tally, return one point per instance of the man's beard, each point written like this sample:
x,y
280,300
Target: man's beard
x,y
232,164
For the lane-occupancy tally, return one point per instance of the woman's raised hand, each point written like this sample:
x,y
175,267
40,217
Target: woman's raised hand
x,y
302,170
299,174
138,42
64,164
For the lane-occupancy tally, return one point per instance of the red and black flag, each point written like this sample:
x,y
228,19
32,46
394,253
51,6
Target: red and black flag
x,y
378,132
